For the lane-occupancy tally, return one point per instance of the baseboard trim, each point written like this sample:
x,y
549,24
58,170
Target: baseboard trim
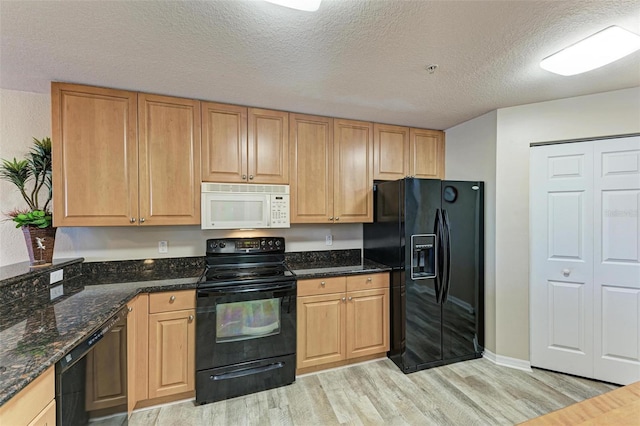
x,y
505,361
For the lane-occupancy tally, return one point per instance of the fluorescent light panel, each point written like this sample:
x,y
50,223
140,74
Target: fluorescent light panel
x,y
306,5
599,49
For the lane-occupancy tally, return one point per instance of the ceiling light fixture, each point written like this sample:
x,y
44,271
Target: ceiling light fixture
x,y
599,49
306,5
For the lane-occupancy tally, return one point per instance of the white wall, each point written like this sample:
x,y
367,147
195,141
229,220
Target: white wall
x,y
25,115
471,155
604,114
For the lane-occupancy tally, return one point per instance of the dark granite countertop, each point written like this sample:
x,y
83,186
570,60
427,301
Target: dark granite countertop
x,y
36,337
318,270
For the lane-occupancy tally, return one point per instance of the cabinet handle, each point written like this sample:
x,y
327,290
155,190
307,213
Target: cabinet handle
x,y
337,218
368,278
330,217
251,177
142,220
190,318
132,220
344,299
244,177
130,309
323,283
172,299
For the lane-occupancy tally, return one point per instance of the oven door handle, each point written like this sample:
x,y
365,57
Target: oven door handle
x,y
246,371
204,292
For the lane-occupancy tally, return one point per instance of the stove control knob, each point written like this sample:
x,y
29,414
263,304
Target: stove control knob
x,y
222,245
277,243
270,243
263,242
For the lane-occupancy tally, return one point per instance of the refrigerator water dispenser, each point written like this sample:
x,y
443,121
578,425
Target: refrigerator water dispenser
x,y
423,256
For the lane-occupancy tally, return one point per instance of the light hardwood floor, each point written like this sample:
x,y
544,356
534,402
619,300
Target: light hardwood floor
x,y
475,392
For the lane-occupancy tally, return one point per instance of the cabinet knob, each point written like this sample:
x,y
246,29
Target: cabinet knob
x,y
172,299
323,283
130,309
251,177
244,177
368,278
344,299
337,218
566,272
190,318
142,220
132,220
330,217
350,298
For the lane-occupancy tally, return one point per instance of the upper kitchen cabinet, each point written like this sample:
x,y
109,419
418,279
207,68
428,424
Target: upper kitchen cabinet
x,y
402,151
391,152
426,153
311,155
331,176
244,145
353,171
122,158
169,160
94,155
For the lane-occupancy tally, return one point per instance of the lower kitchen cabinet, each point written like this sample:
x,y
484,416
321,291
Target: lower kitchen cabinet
x,y
172,331
34,405
341,319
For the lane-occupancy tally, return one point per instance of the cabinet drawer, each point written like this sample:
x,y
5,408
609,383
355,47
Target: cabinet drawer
x,y
322,286
367,281
24,407
172,301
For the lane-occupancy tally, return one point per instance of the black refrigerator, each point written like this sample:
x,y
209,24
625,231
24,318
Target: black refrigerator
x,y
431,233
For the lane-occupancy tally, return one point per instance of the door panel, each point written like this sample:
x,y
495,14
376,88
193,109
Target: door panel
x,y
321,325
224,143
561,286
617,260
169,160
367,322
391,152
268,146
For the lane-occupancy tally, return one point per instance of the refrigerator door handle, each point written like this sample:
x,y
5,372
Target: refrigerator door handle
x,y
447,248
439,256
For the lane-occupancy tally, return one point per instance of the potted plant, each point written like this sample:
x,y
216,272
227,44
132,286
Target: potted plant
x,y
31,176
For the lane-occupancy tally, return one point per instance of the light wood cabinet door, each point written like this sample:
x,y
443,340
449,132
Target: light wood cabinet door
x,y
391,152
353,171
94,155
321,329
169,160
171,353
367,322
137,351
426,153
47,417
27,406
311,158
105,388
224,143
268,146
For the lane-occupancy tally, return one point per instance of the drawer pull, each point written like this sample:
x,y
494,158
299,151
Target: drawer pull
x,y
190,318
323,283
369,279
172,299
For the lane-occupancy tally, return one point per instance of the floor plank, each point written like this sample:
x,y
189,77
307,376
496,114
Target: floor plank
x,y
378,393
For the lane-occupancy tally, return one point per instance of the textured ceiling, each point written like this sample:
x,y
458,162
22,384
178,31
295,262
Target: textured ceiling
x,y
359,59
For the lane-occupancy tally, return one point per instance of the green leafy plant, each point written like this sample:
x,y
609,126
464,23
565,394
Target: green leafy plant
x,y
30,176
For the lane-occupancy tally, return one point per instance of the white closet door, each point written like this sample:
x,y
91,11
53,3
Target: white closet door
x,y
617,260
561,287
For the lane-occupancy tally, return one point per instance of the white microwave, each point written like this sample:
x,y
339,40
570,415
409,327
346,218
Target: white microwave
x,y
244,206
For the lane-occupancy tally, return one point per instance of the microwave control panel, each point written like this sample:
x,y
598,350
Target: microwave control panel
x,y
280,211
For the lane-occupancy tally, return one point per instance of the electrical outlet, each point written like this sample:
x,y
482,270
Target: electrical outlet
x,y
329,240
56,276
56,291
163,247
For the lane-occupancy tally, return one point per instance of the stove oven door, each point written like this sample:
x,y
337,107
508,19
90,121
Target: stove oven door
x,y
244,334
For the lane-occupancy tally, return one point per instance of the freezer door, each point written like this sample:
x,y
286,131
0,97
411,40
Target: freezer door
x,y
463,292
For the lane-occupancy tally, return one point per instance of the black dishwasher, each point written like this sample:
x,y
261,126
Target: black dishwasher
x,y
91,380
